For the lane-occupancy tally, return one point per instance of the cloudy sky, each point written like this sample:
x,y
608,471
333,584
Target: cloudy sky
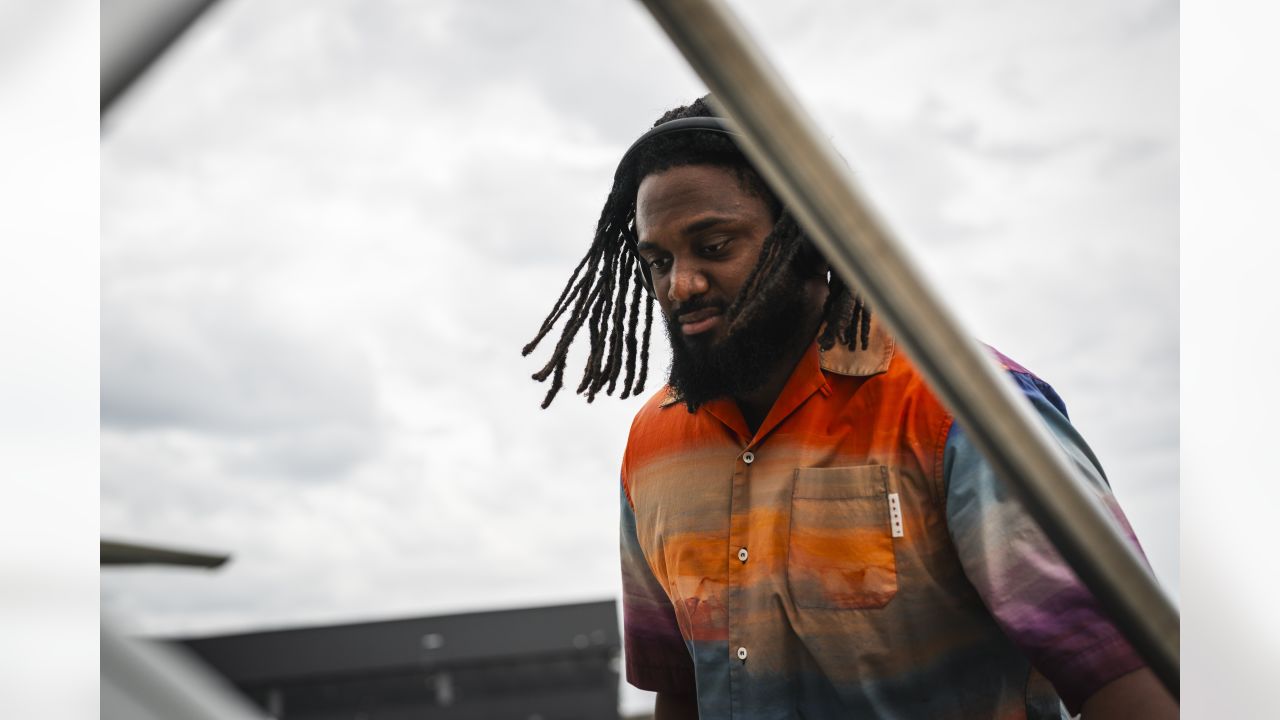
x,y
329,226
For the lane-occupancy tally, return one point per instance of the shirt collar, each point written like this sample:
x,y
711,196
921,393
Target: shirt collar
x,y
861,363
841,360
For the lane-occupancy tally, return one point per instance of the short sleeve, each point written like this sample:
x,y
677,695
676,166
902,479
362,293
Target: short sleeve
x,y
1030,590
657,658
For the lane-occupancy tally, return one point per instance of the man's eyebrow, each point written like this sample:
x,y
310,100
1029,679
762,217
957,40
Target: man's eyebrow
x,y
706,223
692,228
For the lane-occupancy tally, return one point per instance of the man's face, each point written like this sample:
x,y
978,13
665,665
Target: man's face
x,y
700,231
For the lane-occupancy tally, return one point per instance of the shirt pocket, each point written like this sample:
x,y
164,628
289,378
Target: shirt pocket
x,y
840,546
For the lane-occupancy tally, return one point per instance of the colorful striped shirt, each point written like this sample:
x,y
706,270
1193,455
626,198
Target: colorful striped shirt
x,y
853,557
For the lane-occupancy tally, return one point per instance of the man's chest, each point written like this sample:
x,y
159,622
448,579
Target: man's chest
x,y
816,514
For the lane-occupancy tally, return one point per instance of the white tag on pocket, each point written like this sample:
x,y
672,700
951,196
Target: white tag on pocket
x,y
895,515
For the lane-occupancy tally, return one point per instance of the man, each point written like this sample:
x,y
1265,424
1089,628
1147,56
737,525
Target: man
x,y
805,530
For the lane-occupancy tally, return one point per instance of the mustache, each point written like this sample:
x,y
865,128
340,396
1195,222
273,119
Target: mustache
x,y
694,306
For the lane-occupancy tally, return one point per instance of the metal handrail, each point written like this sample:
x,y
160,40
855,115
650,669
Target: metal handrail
x,y
149,679
803,168
150,36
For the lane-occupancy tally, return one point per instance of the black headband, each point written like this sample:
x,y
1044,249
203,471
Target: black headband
x,y
692,124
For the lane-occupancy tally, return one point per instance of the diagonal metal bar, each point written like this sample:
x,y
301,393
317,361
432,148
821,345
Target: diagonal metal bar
x,y
146,680
122,553
134,36
803,168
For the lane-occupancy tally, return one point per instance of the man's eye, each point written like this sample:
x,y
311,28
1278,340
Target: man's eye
x,y
715,247
659,263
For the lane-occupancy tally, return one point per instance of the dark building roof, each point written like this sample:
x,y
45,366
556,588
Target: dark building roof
x,y
546,662
415,642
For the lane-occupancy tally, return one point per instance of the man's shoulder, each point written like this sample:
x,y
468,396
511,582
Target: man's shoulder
x,y
659,408
1007,362
655,429
904,370
1030,383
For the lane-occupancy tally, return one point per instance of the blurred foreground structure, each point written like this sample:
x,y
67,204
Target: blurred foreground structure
x,y
547,663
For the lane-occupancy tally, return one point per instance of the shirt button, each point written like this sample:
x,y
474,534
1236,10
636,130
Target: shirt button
x,y
742,653
748,457
742,554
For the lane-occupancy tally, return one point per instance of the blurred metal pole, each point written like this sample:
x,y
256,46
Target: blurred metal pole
x,y
134,35
122,553
803,168
142,679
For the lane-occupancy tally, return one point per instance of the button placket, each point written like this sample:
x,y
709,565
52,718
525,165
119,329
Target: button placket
x,y
738,535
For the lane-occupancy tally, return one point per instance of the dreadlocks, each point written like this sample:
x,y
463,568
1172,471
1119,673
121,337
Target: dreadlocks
x,y
605,290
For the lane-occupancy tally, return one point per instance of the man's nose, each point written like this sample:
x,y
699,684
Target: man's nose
x,y
687,281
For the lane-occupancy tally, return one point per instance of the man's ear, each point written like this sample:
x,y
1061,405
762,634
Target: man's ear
x,y
643,273
646,277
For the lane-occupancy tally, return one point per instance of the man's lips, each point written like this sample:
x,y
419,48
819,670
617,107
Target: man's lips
x,y
699,321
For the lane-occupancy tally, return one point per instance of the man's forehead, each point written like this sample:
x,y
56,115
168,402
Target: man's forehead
x,y
693,190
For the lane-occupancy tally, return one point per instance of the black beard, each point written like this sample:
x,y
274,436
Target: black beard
x,y
702,370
